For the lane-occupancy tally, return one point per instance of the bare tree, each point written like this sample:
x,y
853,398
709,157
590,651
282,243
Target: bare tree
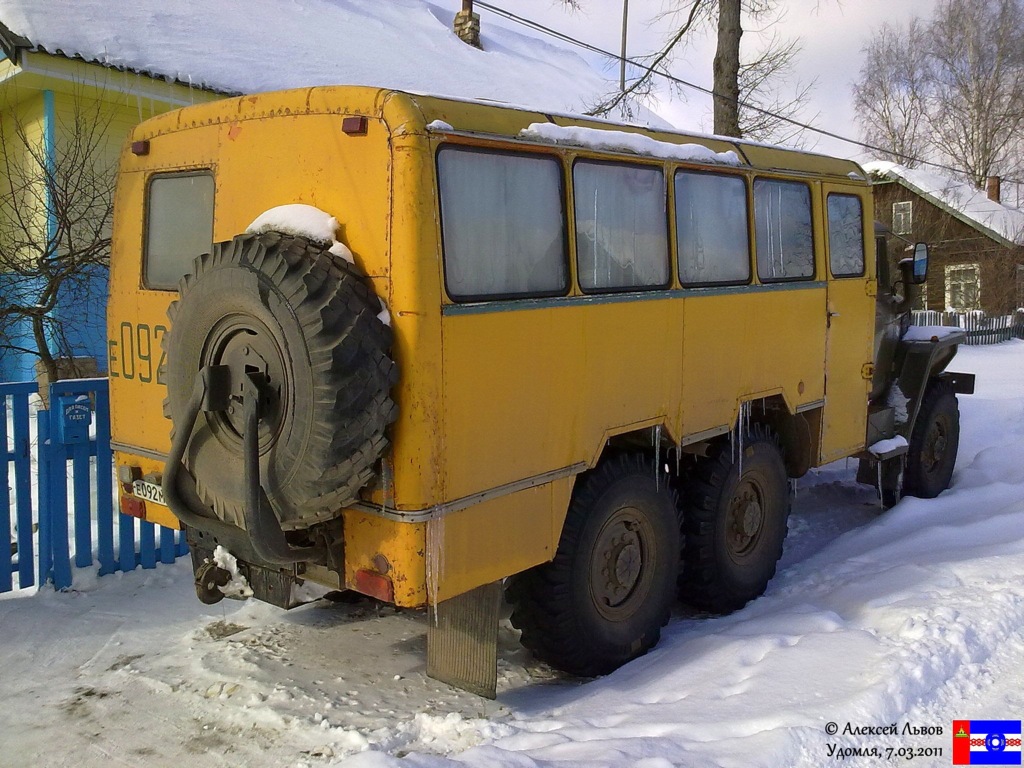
x,y
977,84
745,95
56,206
765,113
891,94
949,89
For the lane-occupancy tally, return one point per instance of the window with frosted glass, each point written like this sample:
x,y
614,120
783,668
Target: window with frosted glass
x,y
179,226
845,236
712,238
782,221
621,226
503,224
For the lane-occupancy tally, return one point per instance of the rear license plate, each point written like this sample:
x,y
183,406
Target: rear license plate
x,y
149,491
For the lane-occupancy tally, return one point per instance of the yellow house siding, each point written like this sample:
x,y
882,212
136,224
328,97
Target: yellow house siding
x,y
52,98
114,100
22,129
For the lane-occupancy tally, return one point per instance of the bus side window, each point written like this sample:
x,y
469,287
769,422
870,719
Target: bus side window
x,y
502,224
783,230
621,226
712,237
845,236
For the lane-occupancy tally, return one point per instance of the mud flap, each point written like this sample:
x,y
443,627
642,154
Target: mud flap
x,y
462,640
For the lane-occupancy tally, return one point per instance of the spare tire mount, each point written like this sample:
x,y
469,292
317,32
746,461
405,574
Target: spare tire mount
x,y
212,394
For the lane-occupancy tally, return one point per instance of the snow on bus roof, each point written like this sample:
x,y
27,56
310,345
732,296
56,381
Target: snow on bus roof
x,y
624,141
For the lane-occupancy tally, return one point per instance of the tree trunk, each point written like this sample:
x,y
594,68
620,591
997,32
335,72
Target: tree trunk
x,y
45,358
727,69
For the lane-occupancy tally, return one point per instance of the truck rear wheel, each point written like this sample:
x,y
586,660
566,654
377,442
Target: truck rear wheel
x,y
734,523
604,598
307,320
933,443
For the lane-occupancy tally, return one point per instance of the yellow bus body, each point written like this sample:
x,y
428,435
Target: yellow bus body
x,y
501,403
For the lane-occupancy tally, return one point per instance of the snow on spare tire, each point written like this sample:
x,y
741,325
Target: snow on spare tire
x,y
286,298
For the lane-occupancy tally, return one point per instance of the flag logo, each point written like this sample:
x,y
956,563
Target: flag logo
x,y
986,742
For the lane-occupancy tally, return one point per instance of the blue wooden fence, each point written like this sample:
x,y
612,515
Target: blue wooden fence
x,y
70,522
17,453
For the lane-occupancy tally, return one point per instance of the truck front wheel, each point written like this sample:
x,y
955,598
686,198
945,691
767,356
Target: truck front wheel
x,y
933,443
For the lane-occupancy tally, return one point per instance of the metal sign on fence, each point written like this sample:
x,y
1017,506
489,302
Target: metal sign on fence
x,y
69,521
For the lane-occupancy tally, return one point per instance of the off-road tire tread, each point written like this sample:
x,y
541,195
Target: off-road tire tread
x,y
702,583
938,395
542,597
348,351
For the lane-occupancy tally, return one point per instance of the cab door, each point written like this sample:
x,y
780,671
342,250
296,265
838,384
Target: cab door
x,y
850,319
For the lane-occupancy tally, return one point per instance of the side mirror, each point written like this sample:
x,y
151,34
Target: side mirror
x,y
915,269
920,272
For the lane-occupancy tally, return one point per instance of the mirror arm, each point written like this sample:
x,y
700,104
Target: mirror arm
x,y
910,289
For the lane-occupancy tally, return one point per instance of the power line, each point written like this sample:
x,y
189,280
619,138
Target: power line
x,y
537,26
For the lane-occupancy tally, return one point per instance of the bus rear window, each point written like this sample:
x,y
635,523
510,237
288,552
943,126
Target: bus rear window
x,y
503,224
179,226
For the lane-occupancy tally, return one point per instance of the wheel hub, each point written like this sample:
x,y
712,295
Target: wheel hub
x,y
935,447
745,520
618,564
245,346
627,564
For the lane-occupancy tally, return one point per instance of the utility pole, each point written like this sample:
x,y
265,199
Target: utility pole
x,y
622,57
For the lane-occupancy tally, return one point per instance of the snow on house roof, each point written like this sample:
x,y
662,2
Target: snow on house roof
x,y
973,207
250,46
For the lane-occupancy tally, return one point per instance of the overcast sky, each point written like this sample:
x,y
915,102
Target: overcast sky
x,y
832,34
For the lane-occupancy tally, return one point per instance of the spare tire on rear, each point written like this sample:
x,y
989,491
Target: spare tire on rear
x,y
308,320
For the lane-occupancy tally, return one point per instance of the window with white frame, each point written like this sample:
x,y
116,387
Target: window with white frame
x,y
963,287
902,217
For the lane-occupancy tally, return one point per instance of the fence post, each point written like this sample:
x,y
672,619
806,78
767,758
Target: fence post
x,y
23,487
45,513
56,470
104,484
166,545
147,544
6,555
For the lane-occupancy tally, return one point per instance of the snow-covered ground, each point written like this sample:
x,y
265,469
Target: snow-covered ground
x,y
902,620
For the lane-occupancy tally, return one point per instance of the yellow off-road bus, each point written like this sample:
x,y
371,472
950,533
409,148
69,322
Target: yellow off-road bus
x,y
424,349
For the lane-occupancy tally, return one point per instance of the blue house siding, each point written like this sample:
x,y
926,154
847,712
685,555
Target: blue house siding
x,y
83,314
82,311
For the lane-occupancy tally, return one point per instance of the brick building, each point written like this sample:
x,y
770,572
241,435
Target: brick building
x,y
976,242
